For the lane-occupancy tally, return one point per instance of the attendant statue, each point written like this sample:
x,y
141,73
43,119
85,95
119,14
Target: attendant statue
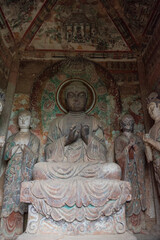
x,y
76,140
21,153
129,154
152,140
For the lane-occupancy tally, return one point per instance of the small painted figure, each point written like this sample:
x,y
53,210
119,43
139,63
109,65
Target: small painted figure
x,y
22,150
152,140
129,154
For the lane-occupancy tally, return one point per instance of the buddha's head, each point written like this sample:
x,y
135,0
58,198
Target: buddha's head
x,y
127,123
24,119
76,94
154,106
2,100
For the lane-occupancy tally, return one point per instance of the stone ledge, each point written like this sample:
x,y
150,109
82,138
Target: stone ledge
x,y
124,236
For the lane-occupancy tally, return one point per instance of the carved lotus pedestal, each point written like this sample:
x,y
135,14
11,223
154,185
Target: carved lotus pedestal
x,y
75,209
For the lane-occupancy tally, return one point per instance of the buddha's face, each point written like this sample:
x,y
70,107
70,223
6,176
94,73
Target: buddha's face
x,y
154,110
76,100
24,121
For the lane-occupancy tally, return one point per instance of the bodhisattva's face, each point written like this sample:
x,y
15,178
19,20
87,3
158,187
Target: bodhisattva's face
x,y
128,126
24,121
76,100
154,110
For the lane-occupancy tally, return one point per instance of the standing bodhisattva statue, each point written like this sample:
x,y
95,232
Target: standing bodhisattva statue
x,y
152,140
22,150
129,153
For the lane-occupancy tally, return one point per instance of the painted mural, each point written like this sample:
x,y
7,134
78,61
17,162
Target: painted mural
x,y
137,13
79,25
69,25
4,72
19,14
6,34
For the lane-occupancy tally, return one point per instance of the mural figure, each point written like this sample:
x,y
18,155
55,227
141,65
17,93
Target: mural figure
x,y
76,184
129,154
21,152
75,138
152,140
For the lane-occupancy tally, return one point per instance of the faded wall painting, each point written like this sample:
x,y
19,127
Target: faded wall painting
x,y
79,25
19,14
136,13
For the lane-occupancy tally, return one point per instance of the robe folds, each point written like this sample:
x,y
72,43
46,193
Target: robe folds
x,y
19,169
132,164
56,151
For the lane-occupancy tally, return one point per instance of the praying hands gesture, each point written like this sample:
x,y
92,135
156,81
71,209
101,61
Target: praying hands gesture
x,y
74,134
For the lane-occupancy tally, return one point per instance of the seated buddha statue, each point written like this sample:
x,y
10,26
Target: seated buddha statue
x,y
75,187
76,144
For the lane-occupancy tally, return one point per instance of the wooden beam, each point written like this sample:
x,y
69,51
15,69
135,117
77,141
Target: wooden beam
x,y
5,117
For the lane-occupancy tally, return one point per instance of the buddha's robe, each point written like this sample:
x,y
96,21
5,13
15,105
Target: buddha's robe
x,y
78,158
78,151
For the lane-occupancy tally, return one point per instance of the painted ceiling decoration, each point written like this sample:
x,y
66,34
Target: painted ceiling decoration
x,y
93,26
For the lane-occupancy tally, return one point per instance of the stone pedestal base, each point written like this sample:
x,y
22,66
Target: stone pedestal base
x,y
113,224
124,236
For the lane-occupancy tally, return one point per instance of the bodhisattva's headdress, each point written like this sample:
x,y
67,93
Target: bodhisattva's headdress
x,y
153,97
24,112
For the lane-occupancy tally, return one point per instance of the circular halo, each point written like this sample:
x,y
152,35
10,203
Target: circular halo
x,y
60,95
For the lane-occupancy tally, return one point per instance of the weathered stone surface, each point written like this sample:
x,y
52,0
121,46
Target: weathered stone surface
x,y
77,198
124,236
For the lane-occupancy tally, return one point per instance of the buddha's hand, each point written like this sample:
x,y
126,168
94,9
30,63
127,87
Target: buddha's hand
x,y
85,133
72,136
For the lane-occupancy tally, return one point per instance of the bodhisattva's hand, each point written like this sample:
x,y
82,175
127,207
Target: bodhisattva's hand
x,y
132,142
72,136
130,145
85,133
146,138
